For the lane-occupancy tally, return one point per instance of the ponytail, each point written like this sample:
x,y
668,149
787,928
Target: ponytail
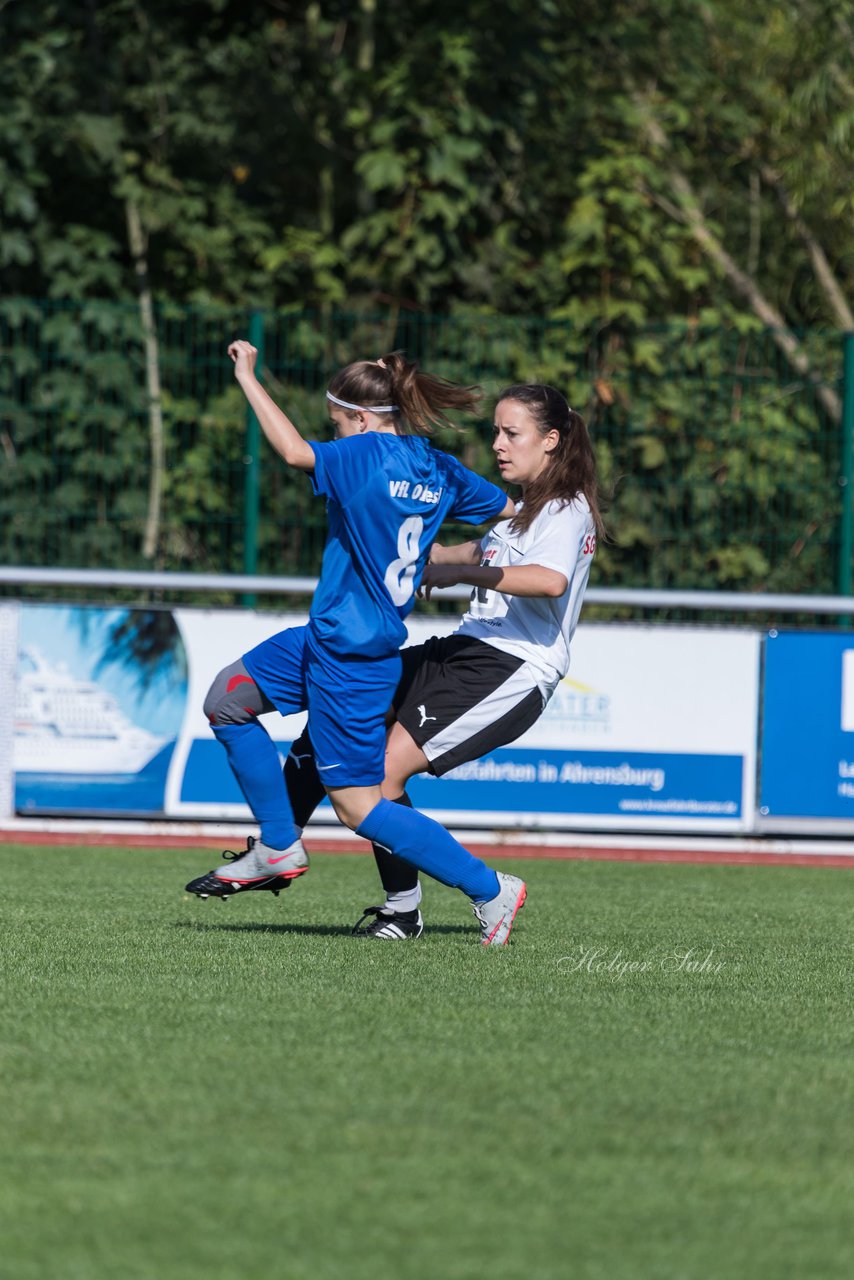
x,y
421,400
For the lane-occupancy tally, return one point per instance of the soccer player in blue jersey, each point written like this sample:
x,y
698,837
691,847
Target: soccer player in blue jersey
x,y
387,491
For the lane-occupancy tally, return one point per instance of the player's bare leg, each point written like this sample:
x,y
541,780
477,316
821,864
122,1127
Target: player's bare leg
x,y
403,759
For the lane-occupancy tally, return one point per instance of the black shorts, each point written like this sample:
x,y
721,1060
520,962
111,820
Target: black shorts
x,y
460,698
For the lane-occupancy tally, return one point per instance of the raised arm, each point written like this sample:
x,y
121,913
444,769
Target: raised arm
x,y
276,425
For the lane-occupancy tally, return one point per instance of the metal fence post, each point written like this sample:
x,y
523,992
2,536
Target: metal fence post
x,y
252,462
845,577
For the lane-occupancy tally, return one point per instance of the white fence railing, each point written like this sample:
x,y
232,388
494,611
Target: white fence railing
x,y
108,579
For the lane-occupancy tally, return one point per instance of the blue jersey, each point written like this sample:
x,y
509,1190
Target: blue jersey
x,y
386,496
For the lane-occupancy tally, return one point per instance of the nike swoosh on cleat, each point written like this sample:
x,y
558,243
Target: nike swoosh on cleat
x,y
520,902
272,861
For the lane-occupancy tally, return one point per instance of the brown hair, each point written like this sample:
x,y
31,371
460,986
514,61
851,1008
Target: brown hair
x,y
422,399
572,468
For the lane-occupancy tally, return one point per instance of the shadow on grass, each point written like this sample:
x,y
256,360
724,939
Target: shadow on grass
x,y
256,926
315,930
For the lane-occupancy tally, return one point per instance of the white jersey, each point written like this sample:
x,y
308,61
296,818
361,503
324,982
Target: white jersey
x,y
538,629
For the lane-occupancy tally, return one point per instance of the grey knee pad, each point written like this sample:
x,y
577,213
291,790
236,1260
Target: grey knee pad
x,y
234,697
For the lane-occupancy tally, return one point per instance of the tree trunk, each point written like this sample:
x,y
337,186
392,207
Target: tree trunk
x,y
136,239
746,286
822,268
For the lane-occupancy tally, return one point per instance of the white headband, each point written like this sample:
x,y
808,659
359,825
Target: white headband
x,y
365,408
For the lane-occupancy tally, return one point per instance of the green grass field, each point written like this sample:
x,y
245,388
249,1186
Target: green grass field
x,y
199,1091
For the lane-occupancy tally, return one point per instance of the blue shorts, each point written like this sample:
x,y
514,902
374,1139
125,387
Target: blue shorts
x,y
347,700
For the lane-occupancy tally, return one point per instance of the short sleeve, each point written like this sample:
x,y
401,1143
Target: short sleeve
x,y
559,538
326,471
475,500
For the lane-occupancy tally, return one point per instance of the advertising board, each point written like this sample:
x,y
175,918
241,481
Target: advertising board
x,y
807,768
8,672
654,728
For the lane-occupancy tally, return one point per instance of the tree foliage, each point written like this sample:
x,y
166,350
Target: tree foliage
x,y
647,203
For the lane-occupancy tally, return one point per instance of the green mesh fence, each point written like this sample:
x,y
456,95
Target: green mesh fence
x,y
725,457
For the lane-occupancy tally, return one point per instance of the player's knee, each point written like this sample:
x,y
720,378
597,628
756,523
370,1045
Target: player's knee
x,y
233,698
353,804
226,710
344,812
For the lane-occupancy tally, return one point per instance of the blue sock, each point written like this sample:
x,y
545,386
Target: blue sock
x,y
430,847
255,764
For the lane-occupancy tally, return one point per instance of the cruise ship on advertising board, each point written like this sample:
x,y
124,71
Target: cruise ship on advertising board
x,y
64,725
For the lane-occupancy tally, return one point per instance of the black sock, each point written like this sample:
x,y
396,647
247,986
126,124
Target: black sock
x,y
397,875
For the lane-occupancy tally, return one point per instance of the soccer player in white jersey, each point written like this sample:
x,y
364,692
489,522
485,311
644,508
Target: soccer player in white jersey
x,y
387,491
465,695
